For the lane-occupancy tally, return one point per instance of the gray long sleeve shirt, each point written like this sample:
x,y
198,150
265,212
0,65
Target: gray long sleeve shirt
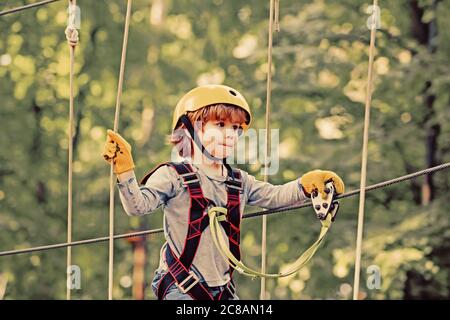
x,y
164,188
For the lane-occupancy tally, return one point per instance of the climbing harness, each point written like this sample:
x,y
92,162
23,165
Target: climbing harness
x,y
326,209
179,267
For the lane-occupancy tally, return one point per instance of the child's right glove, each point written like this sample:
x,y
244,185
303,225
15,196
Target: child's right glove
x,y
317,179
118,150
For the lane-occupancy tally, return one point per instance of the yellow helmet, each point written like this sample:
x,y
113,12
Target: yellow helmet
x,y
207,95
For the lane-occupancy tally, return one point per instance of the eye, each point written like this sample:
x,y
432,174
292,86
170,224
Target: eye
x,y
220,124
238,129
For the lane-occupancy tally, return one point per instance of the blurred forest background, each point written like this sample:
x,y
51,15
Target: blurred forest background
x,y
319,78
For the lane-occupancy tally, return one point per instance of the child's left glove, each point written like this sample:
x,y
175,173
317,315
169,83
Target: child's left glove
x,y
317,179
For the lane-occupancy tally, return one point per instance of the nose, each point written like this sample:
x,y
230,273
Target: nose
x,y
230,133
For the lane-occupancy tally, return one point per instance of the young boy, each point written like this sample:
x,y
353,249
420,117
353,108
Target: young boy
x,y
207,123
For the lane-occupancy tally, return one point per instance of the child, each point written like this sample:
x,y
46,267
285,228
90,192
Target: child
x,y
207,123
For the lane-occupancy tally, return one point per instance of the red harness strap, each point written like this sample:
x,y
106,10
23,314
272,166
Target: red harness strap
x,y
180,267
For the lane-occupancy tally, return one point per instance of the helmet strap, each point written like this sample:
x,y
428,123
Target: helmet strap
x,y
187,123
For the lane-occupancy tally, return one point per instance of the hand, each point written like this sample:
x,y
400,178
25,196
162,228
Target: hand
x,y
118,150
317,179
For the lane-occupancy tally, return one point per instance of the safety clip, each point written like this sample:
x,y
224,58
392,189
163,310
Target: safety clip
x,y
326,206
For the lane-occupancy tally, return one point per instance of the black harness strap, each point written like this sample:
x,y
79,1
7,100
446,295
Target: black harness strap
x,y
232,225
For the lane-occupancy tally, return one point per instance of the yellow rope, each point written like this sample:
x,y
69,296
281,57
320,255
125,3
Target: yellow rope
x,y
72,38
362,195
217,214
116,126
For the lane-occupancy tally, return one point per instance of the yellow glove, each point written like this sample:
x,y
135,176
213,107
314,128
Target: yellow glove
x,y
117,149
317,179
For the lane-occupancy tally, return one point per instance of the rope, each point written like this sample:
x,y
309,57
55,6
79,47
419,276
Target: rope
x,y
72,38
373,187
217,214
362,195
116,127
267,144
79,242
28,6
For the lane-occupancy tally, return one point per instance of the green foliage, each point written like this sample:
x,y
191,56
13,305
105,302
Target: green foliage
x,y
319,82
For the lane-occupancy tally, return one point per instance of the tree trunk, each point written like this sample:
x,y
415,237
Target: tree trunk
x,y
416,285
425,34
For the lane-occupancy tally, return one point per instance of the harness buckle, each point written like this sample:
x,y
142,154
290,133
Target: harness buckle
x,y
191,275
231,288
185,178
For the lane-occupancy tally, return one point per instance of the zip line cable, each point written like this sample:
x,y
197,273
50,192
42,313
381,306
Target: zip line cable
x,y
27,6
373,187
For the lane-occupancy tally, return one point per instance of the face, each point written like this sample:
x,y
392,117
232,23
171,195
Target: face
x,y
220,137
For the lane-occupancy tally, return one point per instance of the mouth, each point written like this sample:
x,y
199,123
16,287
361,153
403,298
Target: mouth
x,y
225,145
